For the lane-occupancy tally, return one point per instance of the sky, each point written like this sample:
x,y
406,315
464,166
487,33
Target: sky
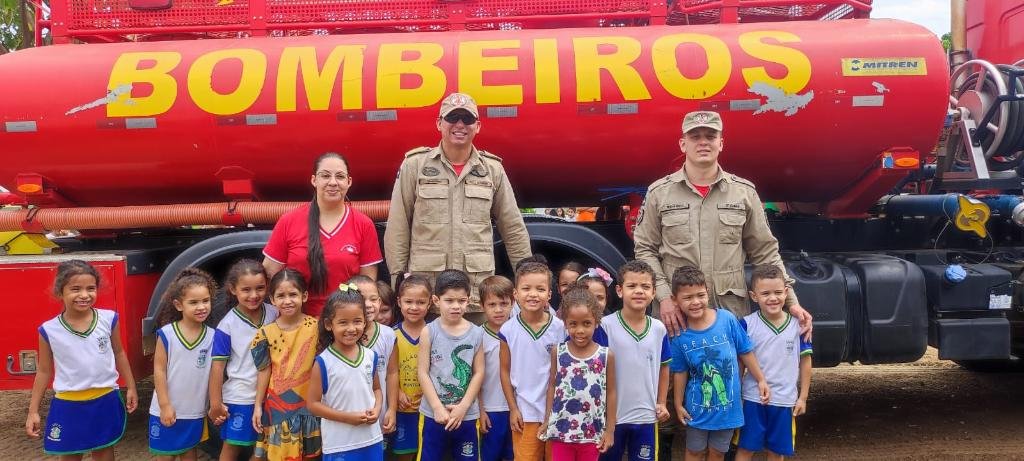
x,y
933,14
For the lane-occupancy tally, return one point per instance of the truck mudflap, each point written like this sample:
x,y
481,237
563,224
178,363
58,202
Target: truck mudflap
x,y
867,307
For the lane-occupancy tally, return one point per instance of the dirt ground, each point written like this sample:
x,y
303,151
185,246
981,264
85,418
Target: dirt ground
x,y
927,410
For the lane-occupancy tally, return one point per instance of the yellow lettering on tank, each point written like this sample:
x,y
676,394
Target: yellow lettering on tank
x,y
666,66
392,65
798,66
546,73
319,82
126,73
200,81
473,64
590,62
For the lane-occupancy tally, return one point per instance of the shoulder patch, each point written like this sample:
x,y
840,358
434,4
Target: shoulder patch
x,y
743,181
418,150
489,155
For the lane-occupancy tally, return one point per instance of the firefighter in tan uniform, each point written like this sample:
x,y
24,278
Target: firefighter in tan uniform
x,y
444,200
708,218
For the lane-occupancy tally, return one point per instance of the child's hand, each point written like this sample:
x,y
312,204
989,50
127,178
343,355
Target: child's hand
x,y
257,419
218,413
33,425
167,416
404,404
684,416
607,440
515,420
370,416
441,416
765,391
131,400
800,408
387,425
485,422
455,415
661,412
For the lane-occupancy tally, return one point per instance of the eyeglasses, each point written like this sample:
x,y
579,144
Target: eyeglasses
x,y
326,176
465,117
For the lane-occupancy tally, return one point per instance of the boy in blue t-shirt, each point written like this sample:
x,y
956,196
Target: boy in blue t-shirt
x,y
704,364
785,359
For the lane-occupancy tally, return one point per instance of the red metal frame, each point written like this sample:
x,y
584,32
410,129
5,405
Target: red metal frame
x,y
115,20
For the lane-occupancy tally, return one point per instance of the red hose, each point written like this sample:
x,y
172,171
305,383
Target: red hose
x,y
162,216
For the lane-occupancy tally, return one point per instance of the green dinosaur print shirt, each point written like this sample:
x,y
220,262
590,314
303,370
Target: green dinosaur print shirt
x,y
451,366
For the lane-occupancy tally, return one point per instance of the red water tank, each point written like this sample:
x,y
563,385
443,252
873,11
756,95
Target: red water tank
x,y
808,107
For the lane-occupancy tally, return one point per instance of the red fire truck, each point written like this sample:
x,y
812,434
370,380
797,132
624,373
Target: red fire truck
x,y
173,133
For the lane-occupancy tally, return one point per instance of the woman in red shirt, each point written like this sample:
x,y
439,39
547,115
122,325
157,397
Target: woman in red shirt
x,y
326,240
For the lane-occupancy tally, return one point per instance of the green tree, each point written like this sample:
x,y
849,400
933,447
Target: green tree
x,y
947,41
15,26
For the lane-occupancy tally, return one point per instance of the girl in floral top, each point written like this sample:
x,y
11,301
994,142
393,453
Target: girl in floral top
x,y
581,392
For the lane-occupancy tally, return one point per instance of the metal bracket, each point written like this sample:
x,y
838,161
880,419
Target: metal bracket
x,y
28,363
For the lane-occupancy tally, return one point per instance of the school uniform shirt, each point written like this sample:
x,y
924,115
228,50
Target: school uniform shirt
x,y
382,343
639,356
347,386
490,393
82,359
240,388
351,245
531,362
188,369
408,374
778,352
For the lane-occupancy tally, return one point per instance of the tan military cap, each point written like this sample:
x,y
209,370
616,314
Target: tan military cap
x,y
701,118
459,101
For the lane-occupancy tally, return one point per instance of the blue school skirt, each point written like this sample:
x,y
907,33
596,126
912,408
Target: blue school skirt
x,y
84,421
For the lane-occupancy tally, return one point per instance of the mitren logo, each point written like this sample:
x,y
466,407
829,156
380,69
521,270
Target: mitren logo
x,y
855,67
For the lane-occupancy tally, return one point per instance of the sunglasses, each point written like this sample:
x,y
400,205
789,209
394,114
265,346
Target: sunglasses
x,y
455,117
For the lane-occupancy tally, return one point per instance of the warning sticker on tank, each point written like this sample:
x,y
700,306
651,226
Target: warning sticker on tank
x,y
864,67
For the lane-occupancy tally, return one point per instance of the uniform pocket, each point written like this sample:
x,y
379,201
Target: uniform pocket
x,y
675,227
477,207
427,262
432,204
479,262
731,230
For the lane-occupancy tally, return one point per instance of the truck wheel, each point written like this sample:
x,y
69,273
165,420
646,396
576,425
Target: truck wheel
x,y
992,366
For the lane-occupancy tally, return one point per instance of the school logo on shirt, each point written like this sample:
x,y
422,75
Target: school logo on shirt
x,y
103,344
350,249
789,346
645,452
467,449
54,434
201,360
369,373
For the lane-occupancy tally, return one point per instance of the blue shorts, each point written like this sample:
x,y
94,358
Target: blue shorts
x,y
237,429
496,444
182,436
436,443
373,452
638,441
768,427
405,439
81,426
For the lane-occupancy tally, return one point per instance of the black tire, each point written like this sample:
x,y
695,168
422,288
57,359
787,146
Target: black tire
x,y
1012,365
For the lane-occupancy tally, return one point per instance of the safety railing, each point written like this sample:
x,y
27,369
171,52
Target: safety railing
x,y
148,20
